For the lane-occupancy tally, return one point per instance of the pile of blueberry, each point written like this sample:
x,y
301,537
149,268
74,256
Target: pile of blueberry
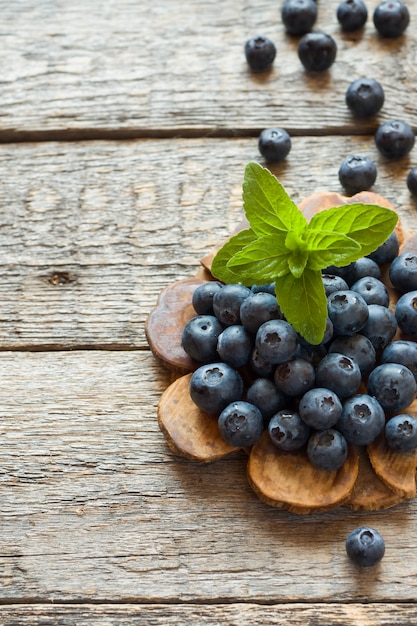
x,y
364,96
254,372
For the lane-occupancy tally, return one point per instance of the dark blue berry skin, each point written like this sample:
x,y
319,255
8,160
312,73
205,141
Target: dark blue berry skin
x,y
257,309
327,449
274,144
362,419
199,338
387,251
361,268
320,408
234,345
288,431
264,394
406,314
348,311
394,139
352,15
202,298
365,546
401,351
336,271
332,283
298,16
294,377
401,433
412,180
317,51
391,18
227,302
357,173
357,347
311,353
364,97
372,290
260,366
380,326
260,53
339,373
276,341
241,424
267,288
215,385
403,272
393,385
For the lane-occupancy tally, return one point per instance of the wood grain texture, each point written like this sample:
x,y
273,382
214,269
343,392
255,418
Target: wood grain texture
x,y
92,232
95,507
127,68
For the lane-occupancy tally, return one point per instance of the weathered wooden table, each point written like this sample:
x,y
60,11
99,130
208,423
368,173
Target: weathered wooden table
x,y
125,128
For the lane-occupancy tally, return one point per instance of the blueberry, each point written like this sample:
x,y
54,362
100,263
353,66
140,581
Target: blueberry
x,y
387,251
199,338
364,97
352,15
365,546
372,290
412,180
227,302
261,366
260,53
202,298
274,144
215,385
361,268
401,433
380,326
357,347
339,373
241,424
394,139
393,385
357,173
391,18
298,16
406,314
276,341
327,449
267,288
403,272
362,419
294,377
332,283
234,345
257,309
320,408
264,394
348,311
288,431
317,51
401,351
334,270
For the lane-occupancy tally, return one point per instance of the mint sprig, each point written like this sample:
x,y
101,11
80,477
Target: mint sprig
x,y
282,247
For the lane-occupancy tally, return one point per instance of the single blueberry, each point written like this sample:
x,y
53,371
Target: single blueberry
x,y
391,18
260,366
260,53
372,290
234,345
257,309
365,546
215,385
332,283
364,97
402,351
276,341
361,420
317,51
202,298
327,449
387,251
298,16
227,302
401,433
320,408
393,385
267,288
394,139
294,377
288,431
380,326
357,173
264,394
274,144
199,338
339,373
241,424
348,311
403,272
362,267
406,313
357,347
412,180
352,15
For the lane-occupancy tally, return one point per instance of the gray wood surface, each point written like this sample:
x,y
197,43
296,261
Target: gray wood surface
x,y
125,128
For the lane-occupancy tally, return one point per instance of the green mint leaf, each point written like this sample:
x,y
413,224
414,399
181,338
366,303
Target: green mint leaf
x,y
304,304
234,245
369,225
267,205
262,260
330,249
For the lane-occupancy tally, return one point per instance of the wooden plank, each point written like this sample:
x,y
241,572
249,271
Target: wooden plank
x,y
94,506
244,614
127,68
90,233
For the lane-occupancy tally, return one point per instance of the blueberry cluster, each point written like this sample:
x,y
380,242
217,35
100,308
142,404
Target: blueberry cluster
x,y
254,372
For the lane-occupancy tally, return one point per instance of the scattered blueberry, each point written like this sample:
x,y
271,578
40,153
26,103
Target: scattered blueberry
x,y
339,373
412,180
348,311
357,347
276,341
403,272
234,345
372,290
298,16
391,18
257,309
215,385
241,424
406,313
199,338
357,173
352,15
260,53
320,408
387,251
364,97
327,449
288,431
317,51
402,351
365,546
394,139
380,326
274,144
294,377
227,302
363,267
332,283
401,433
202,298
362,419
393,385
264,394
